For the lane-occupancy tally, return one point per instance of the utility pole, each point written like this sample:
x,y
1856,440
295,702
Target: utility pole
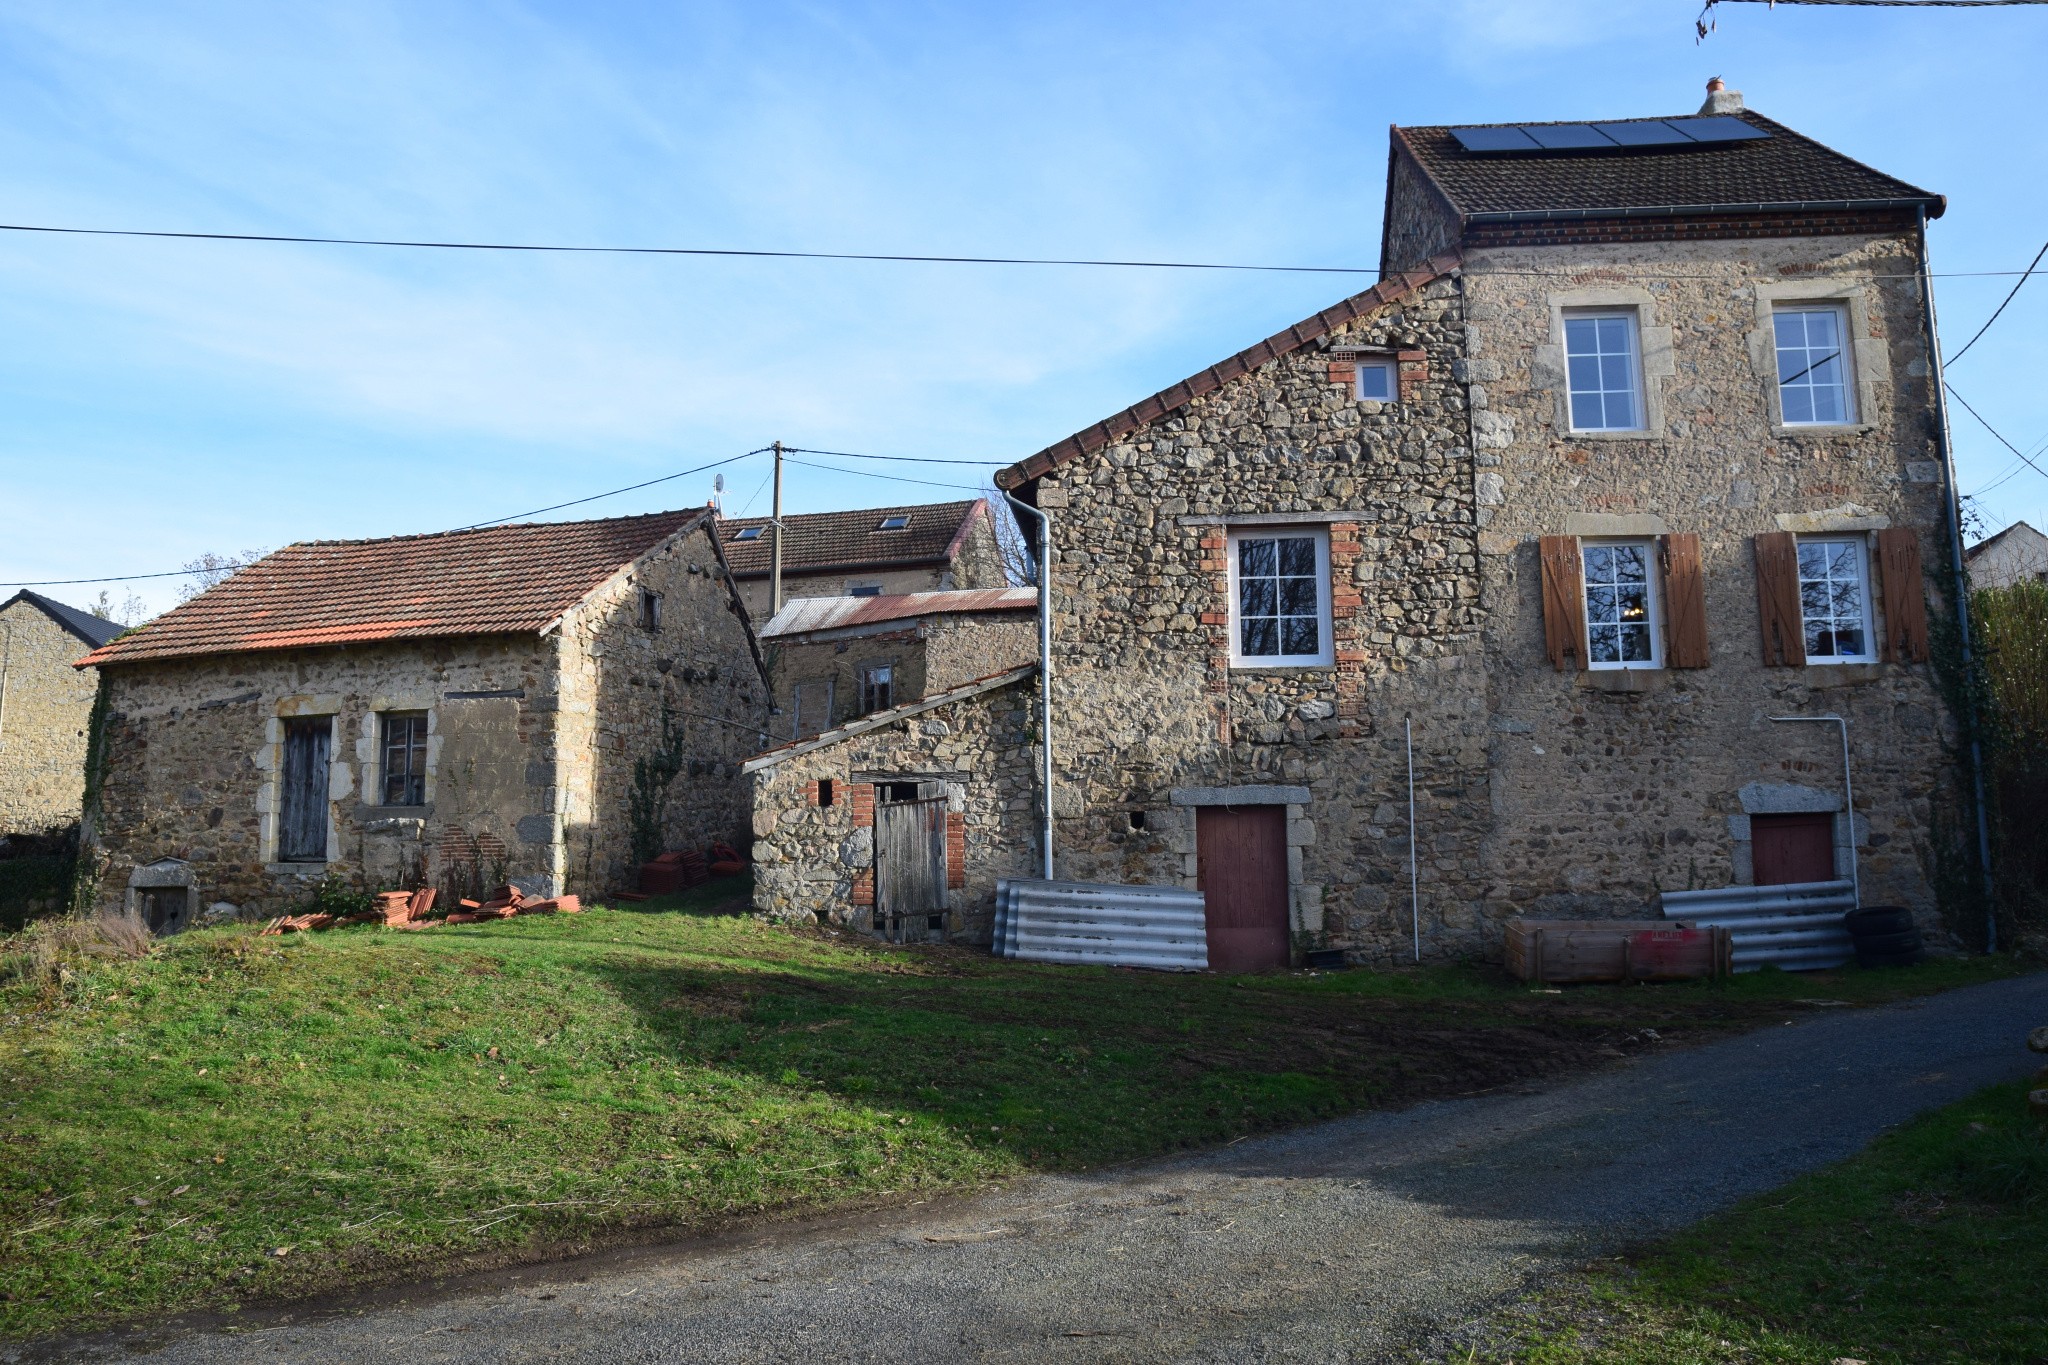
x,y
775,542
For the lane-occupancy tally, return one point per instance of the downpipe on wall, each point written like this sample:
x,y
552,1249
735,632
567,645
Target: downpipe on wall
x,y
1044,659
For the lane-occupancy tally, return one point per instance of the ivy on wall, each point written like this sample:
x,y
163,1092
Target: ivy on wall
x,y
652,776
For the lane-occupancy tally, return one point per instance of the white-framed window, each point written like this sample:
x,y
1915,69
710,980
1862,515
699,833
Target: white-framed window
x,y
1378,380
877,688
1622,626
1604,371
1280,597
1834,600
1813,364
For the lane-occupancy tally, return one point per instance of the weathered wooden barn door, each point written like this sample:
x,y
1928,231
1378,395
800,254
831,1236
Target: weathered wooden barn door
x,y
1241,863
1792,848
910,862
302,805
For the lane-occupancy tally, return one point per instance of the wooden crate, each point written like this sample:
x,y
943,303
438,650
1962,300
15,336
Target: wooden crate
x,y
1550,951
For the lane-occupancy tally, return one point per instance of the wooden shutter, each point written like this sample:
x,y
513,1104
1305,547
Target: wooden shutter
x,y
1905,597
1777,600
1685,603
1564,601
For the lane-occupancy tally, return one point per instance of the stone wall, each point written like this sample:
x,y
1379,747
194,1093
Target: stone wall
x,y
815,860
45,704
1149,715
928,654
690,694
1610,787
193,759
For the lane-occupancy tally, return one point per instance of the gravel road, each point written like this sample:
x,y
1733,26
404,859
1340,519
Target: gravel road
x,y
1347,1241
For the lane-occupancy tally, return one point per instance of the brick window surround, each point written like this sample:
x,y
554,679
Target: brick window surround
x,y
1347,627
1411,367
859,799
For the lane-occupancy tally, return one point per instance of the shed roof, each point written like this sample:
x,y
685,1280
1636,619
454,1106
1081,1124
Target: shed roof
x,y
94,630
495,580
802,615
826,542
1783,170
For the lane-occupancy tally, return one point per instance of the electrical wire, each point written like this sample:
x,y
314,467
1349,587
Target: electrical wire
x,y
2017,286
896,459
902,257
1994,430
631,487
893,478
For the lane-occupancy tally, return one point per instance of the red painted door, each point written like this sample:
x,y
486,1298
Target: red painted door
x,y
1793,848
1241,860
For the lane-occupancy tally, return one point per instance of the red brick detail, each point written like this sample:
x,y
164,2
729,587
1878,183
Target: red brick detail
x,y
861,796
863,888
1412,372
956,850
1690,227
1343,372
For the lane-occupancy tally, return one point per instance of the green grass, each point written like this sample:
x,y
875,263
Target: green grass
x,y
1930,1248
237,1117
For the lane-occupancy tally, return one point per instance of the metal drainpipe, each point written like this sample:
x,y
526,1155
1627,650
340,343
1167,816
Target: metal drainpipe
x,y
1044,658
1962,581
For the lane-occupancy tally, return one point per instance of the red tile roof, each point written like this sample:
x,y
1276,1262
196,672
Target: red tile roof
x,y
1387,291
827,542
498,580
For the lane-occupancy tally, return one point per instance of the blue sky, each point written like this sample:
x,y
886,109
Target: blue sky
x,y
165,399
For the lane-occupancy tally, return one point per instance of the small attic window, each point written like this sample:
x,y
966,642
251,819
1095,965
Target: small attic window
x,y
901,523
650,610
748,533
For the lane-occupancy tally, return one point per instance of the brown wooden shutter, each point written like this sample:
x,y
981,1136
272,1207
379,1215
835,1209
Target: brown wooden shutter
x,y
1564,601
1777,600
1905,597
1685,603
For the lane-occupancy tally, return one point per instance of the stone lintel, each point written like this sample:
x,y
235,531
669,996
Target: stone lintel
x,y
1614,524
1847,517
1239,796
1276,518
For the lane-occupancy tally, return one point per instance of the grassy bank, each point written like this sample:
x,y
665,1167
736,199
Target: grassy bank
x,y
235,1116
1929,1249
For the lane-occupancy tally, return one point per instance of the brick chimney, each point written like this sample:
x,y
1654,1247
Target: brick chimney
x,y
1720,99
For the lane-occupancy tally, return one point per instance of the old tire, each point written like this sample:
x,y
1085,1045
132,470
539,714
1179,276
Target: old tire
x,y
1907,941
1878,919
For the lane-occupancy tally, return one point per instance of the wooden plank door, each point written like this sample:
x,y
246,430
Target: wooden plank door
x,y
1793,848
1241,861
910,867
302,808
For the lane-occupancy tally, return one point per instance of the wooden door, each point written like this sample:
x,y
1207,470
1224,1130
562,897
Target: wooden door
x,y
1793,848
1241,860
910,868
302,809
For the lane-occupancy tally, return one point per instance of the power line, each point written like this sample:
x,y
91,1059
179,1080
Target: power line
x,y
1994,430
2017,286
896,459
904,257
631,487
893,478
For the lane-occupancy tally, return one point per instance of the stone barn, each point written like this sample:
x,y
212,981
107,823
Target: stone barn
x,y
867,552
45,707
1632,452
546,704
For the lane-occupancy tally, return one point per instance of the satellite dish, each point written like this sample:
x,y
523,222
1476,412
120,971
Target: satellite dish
x,y
718,483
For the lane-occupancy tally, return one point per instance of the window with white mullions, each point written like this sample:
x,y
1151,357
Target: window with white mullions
x,y
1834,601
1621,605
1602,372
1280,598
1813,371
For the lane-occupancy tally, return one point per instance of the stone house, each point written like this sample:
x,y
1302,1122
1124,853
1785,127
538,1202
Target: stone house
x,y
545,704
868,552
1632,449
45,707
2018,554
836,658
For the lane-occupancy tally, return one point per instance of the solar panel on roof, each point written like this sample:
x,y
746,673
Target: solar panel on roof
x,y
1718,128
1499,139
1559,137
1643,133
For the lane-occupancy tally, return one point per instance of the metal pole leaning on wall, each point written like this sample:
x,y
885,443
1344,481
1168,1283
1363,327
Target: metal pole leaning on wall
x,y
1044,659
1848,795
1414,885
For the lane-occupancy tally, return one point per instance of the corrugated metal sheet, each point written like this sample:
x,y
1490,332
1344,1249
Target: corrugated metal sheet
x,y
1080,923
802,615
1797,926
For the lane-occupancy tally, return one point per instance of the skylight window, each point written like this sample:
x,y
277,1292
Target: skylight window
x,y
894,524
748,533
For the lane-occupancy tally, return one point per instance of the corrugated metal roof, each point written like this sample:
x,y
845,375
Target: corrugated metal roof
x,y
494,580
802,615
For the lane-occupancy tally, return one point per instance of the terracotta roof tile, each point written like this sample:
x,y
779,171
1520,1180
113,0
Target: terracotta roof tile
x,y
821,542
497,580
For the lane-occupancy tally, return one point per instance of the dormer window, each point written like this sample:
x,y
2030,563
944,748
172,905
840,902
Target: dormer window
x,y
748,533
897,523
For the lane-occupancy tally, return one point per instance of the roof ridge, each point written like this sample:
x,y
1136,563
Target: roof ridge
x,y
1389,289
497,526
